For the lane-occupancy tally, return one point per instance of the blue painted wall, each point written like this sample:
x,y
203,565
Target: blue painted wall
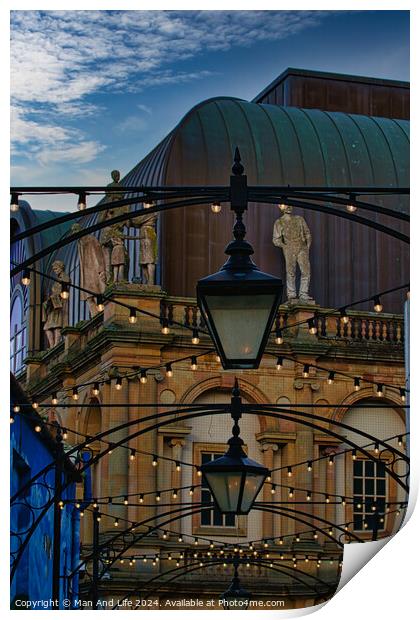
x,y
29,454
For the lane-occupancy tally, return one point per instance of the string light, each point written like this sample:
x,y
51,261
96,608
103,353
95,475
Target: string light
x,y
141,498
343,316
376,448
377,306
35,403
353,455
281,540
14,203
178,466
95,503
308,496
195,337
356,384
98,517
379,389
279,336
309,465
95,389
64,293
155,460
305,372
351,208
75,393
343,501
132,454
81,202
217,358
111,448
54,399
402,395
282,206
26,277
331,460
291,492
143,376
126,500
273,489
65,434
216,207
169,371
194,364
311,325
198,471
16,408
327,499
400,440
289,472
269,477
12,419
100,303
279,363
191,491
116,523
133,316
175,493
158,497
165,327
315,535
118,383
331,376
180,539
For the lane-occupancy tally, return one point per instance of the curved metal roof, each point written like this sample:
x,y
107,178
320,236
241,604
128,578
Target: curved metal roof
x,y
280,145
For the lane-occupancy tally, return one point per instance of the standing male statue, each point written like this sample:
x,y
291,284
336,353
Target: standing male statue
x,y
148,244
92,268
55,313
292,235
114,193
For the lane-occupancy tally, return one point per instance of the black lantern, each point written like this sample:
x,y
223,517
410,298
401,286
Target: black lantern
x,y
235,597
234,479
239,302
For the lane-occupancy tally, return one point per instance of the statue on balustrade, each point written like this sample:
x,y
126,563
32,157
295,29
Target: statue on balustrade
x,y
92,268
292,235
108,234
148,244
55,308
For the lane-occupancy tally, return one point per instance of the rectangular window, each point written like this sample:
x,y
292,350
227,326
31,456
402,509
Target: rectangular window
x,y
213,516
369,495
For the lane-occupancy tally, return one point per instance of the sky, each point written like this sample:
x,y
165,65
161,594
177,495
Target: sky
x,y
92,91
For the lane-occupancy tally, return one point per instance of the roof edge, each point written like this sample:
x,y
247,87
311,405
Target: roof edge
x,y
327,75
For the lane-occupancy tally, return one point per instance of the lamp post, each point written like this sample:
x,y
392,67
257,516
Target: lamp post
x,y
235,597
234,479
239,302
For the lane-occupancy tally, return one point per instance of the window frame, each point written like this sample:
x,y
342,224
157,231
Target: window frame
x,y
240,529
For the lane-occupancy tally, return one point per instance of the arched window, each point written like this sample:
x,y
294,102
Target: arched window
x,y
17,334
376,495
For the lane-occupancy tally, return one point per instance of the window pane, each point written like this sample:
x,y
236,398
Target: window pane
x,y
206,517
218,518
358,468
369,468
358,485
380,486
380,470
205,457
369,486
358,522
230,520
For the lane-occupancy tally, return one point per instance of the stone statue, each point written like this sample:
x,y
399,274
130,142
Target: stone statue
x,y
292,235
148,244
92,268
119,257
55,308
108,233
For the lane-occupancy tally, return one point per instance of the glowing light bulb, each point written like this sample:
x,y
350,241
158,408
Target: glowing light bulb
x,y
133,316
279,363
402,395
75,393
95,389
14,203
132,454
309,465
143,376
356,384
279,336
54,399
81,202
165,327
194,365
195,337
64,294
155,460
169,371
312,326
343,316
118,383
175,493
377,306
100,303
379,389
26,277
331,376
216,207
305,372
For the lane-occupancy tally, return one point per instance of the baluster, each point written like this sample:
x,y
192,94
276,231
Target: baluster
x,y
384,330
399,331
370,330
337,327
377,330
187,321
194,310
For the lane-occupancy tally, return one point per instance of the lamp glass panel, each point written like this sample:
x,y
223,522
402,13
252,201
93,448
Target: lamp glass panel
x,y
240,322
225,487
252,486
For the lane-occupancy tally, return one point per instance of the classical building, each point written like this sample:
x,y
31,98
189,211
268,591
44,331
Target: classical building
x,y
305,129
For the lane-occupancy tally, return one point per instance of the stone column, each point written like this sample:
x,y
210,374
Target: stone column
x,y
268,450
177,445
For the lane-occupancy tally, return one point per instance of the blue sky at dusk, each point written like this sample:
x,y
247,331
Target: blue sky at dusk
x,y
97,90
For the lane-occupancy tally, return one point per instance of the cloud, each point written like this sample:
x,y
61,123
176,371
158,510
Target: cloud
x,y
61,59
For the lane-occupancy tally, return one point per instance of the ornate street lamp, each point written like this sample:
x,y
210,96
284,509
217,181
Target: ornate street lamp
x,y
239,302
235,597
234,479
